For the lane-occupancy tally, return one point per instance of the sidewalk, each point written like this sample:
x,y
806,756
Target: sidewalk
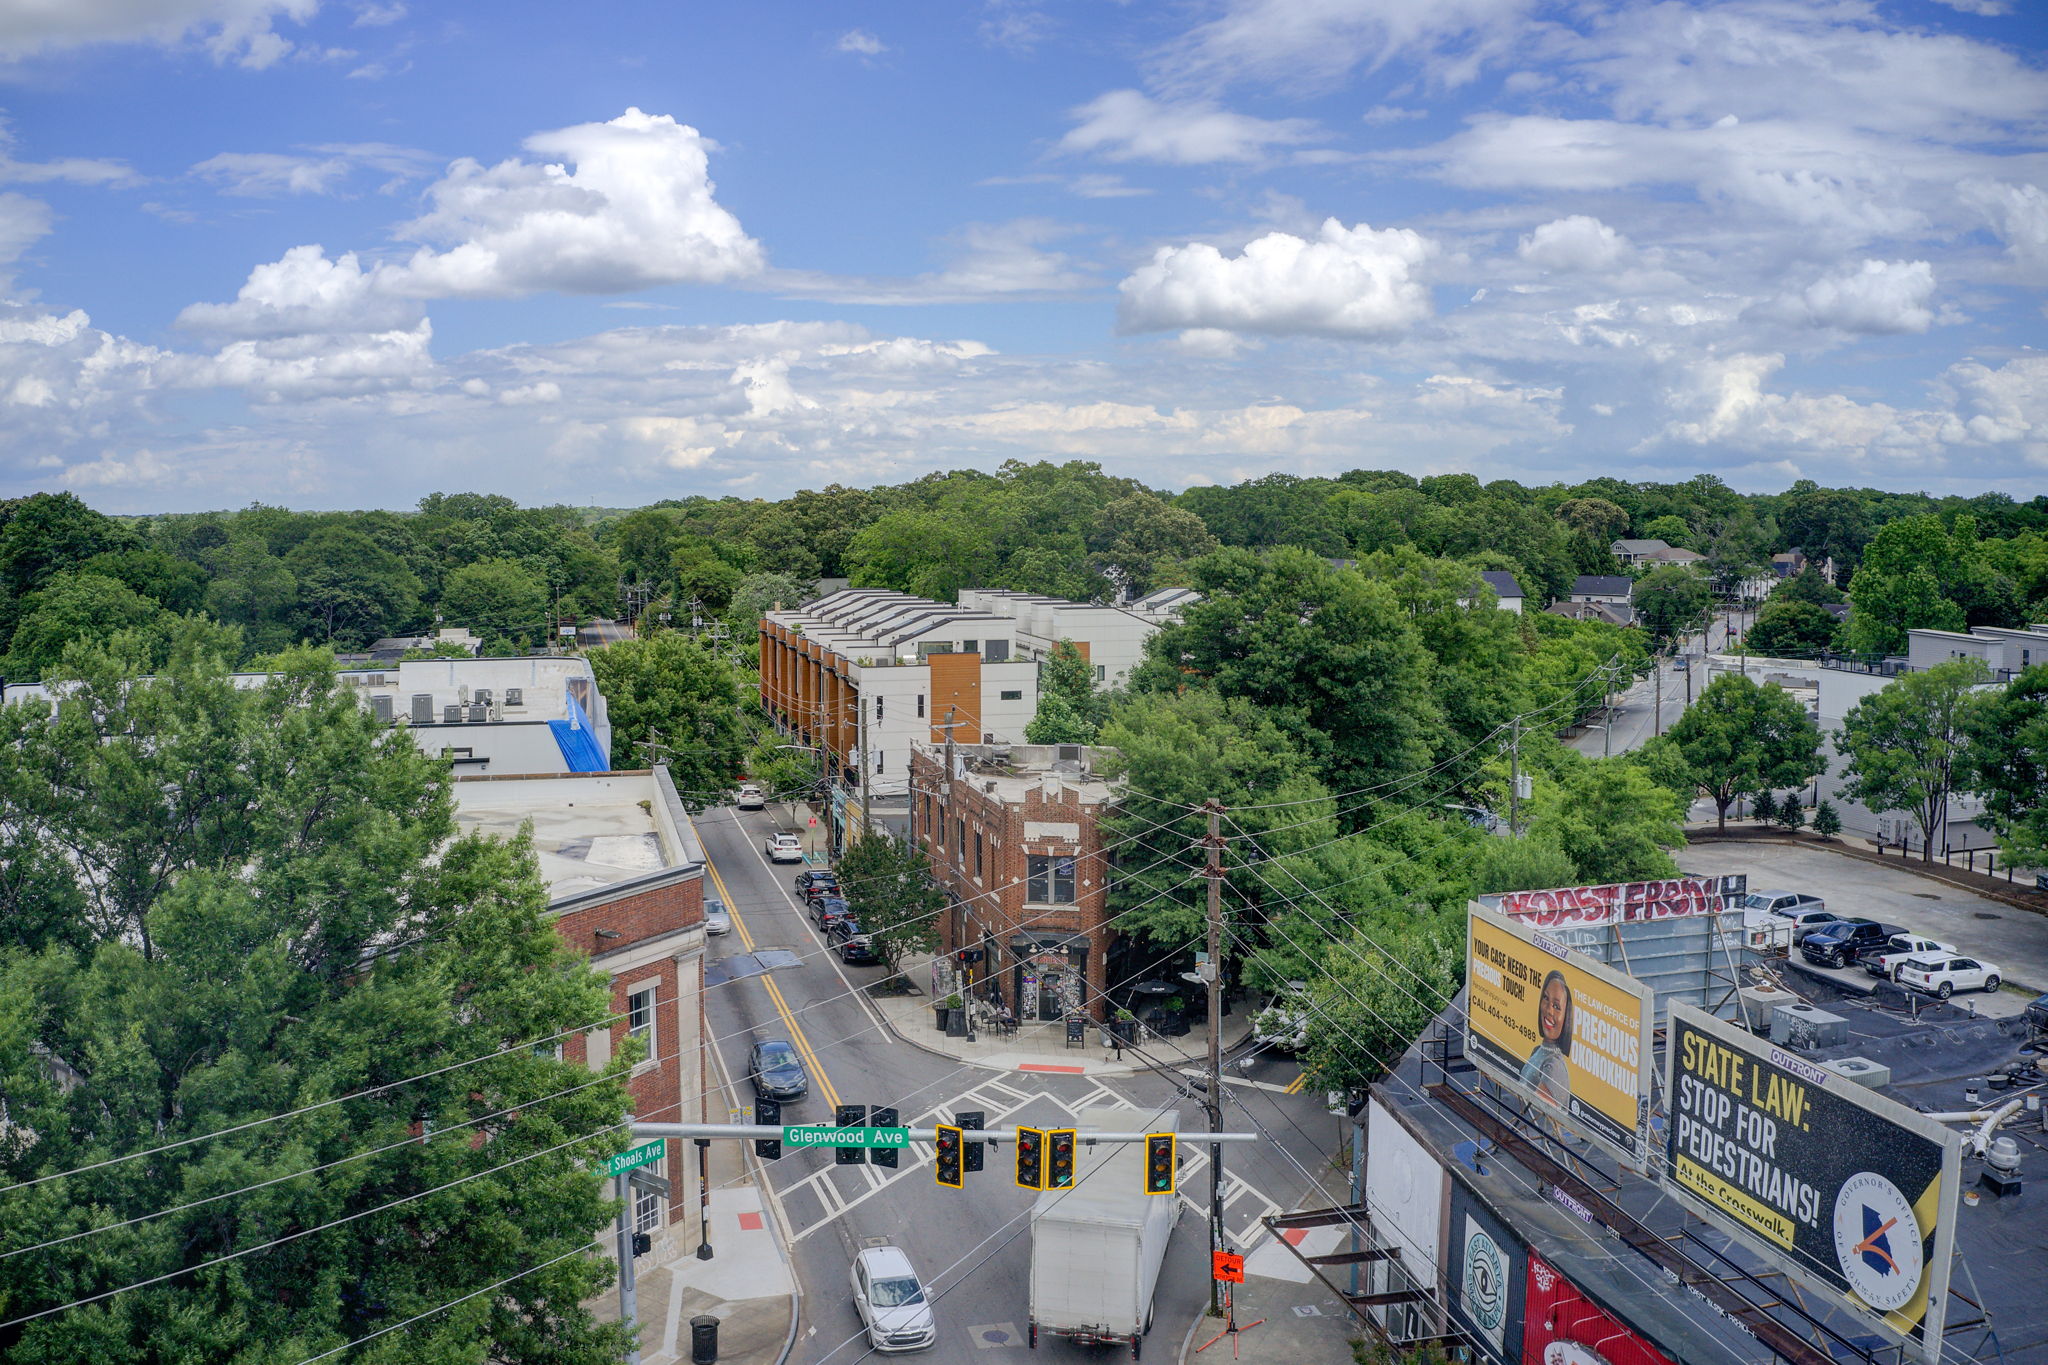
x,y
1043,1046
1300,1321
746,1284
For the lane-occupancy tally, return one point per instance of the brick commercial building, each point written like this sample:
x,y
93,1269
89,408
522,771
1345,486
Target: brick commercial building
x,y
1013,837
625,875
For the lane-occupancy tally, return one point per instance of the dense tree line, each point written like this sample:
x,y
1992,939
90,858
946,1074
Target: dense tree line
x,y
481,561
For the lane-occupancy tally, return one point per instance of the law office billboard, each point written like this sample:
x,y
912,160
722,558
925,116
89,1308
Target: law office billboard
x,y
1563,1031
1852,1194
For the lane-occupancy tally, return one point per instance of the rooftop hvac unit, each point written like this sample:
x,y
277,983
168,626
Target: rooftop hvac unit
x,y
1807,1028
380,707
515,696
483,694
451,714
1861,1070
422,708
478,712
1069,753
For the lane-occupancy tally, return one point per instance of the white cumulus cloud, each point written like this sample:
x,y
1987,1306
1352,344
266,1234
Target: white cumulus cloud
x,y
861,43
1126,125
1878,297
1577,243
1348,282
237,30
305,292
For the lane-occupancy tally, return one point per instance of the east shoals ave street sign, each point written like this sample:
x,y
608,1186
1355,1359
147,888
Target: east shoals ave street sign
x,y
646,1154
826,1136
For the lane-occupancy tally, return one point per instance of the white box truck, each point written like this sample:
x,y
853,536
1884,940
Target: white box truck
x,y
1096,1248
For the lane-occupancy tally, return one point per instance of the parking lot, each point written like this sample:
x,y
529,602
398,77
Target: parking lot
x,y
2015,939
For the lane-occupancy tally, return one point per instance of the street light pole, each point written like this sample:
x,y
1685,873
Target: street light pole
x,y
1214,871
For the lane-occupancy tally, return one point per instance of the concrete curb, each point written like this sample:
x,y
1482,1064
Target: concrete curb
x,y
1107,1069
1188,1339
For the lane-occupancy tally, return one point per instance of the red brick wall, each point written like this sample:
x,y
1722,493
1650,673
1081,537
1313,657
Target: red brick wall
x,y
996,905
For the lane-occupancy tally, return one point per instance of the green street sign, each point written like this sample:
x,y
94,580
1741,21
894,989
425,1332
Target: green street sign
x,y
646,1154
822,1135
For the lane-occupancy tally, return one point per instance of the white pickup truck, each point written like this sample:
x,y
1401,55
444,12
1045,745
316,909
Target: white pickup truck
x,y
1886,959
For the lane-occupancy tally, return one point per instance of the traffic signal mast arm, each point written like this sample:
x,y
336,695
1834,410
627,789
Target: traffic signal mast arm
x,y
752,1130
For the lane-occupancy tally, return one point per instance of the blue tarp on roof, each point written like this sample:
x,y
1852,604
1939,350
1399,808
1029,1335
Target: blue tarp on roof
x,y
578,745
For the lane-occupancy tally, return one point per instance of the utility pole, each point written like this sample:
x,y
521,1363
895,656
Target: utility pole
x,y
1657,726
629,1308
1214,871
1515,780
1607,729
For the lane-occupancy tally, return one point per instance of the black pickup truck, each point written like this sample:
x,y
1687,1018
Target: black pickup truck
x,y
1837,944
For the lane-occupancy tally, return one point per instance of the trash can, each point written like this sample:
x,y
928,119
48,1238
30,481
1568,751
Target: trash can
x,y
703,1340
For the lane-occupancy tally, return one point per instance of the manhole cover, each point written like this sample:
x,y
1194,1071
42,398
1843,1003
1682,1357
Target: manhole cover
x,y
1986,914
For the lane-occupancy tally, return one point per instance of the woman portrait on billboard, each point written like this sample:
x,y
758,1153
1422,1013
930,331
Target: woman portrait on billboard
x,y
1546,1072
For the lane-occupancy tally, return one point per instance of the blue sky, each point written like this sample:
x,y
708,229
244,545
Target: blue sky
x,y
348,253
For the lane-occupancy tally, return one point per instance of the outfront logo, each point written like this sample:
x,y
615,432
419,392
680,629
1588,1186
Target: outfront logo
x,y
1878,1242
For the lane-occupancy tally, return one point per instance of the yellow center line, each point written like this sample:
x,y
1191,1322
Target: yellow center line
x,y
1294,1086
796,1032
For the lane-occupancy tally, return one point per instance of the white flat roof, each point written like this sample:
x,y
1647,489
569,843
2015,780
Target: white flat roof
x,y
590,830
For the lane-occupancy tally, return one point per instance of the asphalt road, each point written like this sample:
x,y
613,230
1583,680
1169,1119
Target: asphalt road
x,y
1636,711
972,1246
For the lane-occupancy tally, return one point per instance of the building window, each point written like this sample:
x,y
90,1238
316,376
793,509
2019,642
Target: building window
x,y
878,708
1049,878
970,646
996,651
977,855
1101,672
1016,695
959,839
646,1209
640,1016
879,755
920,706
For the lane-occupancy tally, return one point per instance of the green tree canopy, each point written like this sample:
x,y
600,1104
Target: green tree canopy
x,y
1790,628
2008,742
496,597
351,590
1610,819
889,887
1671,530
758,593
1331,656
922,553
670,691
1597,519
74,607
1671,601
1069,709
265,906
1740,736
1909,743
1808,586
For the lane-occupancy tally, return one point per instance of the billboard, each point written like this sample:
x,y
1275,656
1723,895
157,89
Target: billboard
x,y
1851,1193
1560,1029
1561,1326
1484,1276
1574,907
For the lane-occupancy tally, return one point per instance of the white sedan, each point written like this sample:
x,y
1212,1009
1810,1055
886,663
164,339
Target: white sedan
x,y
1944,974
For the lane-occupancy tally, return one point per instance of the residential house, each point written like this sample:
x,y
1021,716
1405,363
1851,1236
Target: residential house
x,y
1507,592
1111,639
1600,597
1012,834
1653,552
625,875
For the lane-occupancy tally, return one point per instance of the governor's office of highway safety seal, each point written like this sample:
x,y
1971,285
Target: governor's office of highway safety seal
x,y
1877,1241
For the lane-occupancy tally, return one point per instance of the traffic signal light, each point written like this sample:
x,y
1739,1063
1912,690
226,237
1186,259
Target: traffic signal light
x,y
768,1114
946,1158
1159,1163
850,1116
1031,1158
879,1117
1060,1165
972,1121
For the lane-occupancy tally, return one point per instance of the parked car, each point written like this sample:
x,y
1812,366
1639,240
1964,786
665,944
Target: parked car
x,y
891,1301
1837,944
817,882
1944,974
855,947
1782,902
750,797
829,910
2037,1014
1884,959
784,846
717,919
777,1071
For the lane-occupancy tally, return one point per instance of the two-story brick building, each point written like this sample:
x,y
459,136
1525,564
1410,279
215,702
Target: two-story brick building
x,y
1013,835
625,874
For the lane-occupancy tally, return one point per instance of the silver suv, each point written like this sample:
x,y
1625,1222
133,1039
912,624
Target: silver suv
x,y
891,1300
